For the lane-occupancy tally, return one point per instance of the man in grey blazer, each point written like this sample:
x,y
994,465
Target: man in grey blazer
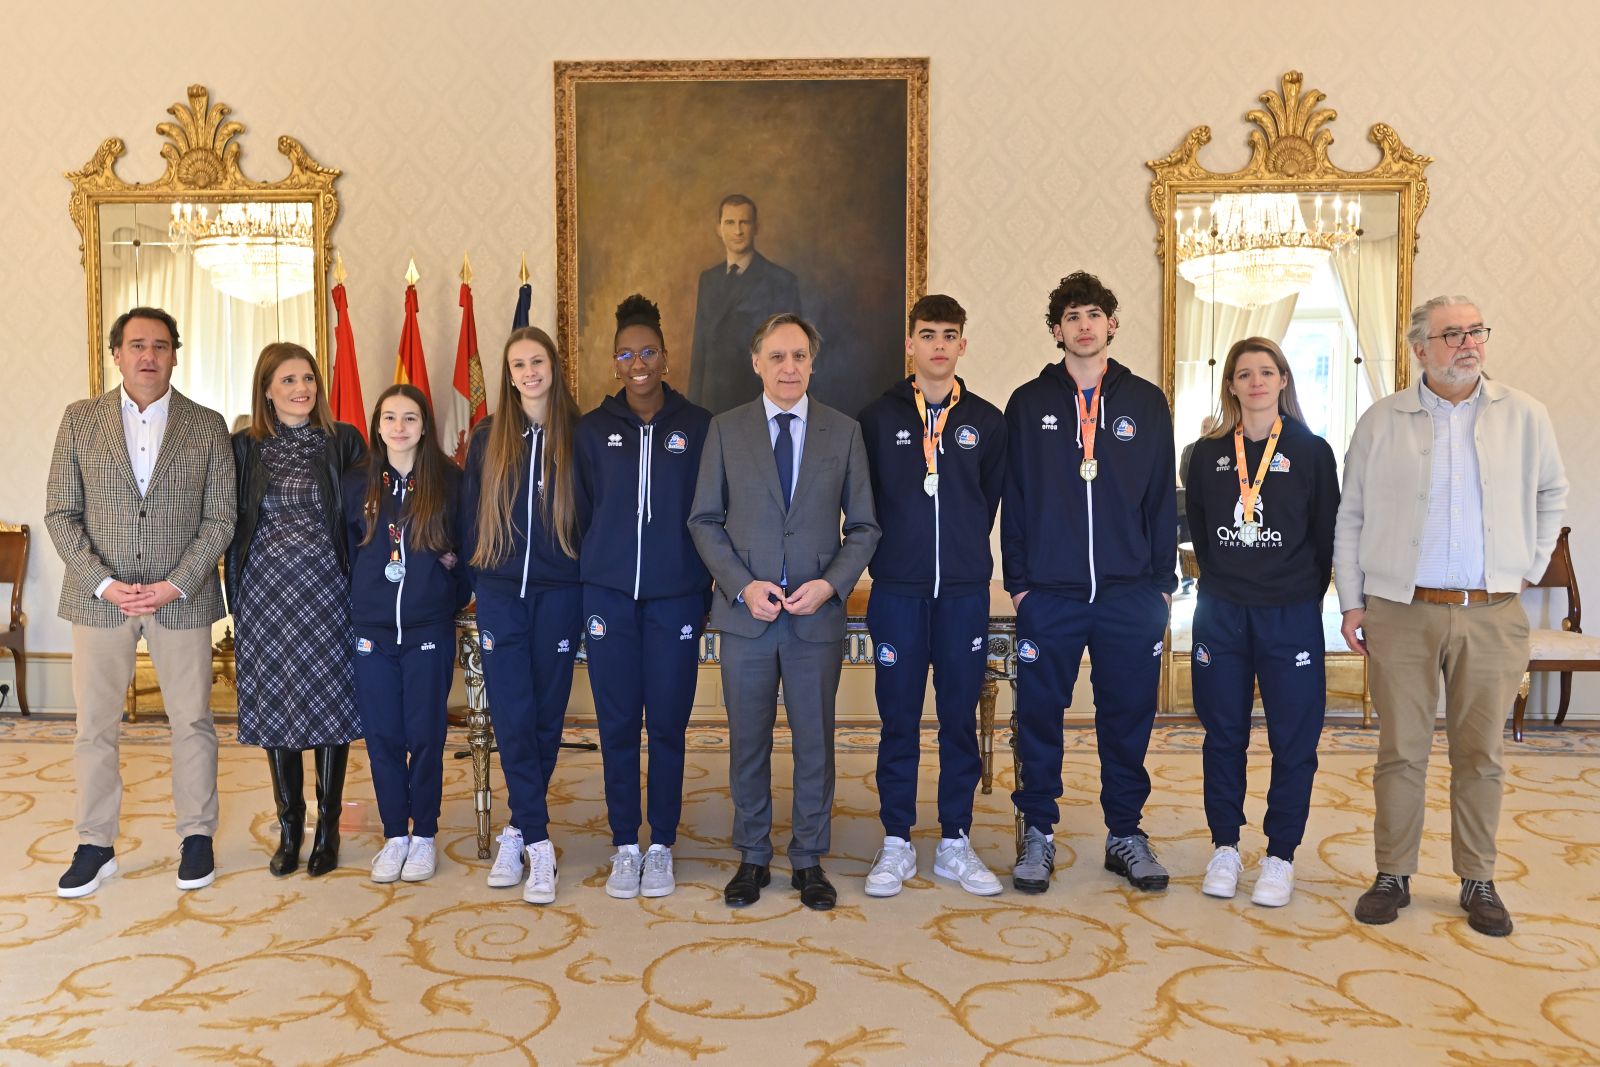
x,y
775,476
141,505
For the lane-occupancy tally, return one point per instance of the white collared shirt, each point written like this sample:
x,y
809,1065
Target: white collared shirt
x,y
143,430
797,428
1452,552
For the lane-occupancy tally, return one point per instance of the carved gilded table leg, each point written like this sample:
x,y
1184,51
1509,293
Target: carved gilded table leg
x,y
986,732
480,729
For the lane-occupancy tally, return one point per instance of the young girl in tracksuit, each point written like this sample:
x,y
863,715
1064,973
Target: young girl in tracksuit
x,y
520,540
406,586
1263,492
645,591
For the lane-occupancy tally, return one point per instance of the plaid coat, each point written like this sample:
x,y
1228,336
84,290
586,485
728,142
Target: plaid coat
x,y
103,529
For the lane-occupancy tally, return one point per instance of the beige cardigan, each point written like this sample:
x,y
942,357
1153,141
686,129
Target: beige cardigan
x,y
1387,473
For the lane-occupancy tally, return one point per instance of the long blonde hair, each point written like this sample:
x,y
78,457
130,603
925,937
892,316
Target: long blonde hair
x,y
263,420
1228,410
505,460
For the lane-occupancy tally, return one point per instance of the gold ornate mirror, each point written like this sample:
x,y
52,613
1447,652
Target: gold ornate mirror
x,y
239,263
1290,247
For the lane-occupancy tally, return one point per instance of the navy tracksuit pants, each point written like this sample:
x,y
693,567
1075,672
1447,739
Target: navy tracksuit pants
x,y
1281,648
401,691
908,634
644,659
1123,633
529,645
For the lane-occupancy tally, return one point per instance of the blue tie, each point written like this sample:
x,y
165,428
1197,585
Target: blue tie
x,y
783,452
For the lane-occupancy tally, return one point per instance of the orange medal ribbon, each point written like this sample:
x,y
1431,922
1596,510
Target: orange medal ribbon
x,y
1250,489
930,438
1088,417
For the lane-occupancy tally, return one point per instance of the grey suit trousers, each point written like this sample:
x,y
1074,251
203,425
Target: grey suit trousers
x,y
751,668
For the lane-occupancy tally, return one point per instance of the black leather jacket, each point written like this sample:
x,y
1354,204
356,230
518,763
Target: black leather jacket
x,y
344,450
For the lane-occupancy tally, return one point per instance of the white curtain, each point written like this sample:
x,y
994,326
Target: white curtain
x,y
221,336
1366,272
1206,331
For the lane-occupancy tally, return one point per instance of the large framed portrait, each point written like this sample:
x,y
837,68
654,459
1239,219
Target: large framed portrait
x,y
731,190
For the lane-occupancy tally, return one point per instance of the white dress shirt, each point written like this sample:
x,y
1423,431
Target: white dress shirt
x,y
797,428
1451,555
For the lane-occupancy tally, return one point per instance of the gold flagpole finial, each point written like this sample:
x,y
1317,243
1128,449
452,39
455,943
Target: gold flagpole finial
x,y
523,273
411,272
339,273
466,270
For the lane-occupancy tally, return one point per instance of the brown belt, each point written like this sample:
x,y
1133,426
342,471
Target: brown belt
x,y
1457,597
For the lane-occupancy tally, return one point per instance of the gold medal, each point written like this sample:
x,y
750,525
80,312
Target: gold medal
x,y
1089,469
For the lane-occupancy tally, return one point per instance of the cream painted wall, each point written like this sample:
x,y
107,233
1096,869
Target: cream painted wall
x,y
1043,115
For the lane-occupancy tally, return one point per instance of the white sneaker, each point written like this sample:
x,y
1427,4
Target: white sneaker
x,y
1275,883
507,869
624,881
421,860
956,858
541,887
895,862
657,878
1222,873
387,863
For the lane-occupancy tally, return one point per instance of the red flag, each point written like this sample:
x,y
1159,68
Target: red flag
x,y
345,393
469,403
409,364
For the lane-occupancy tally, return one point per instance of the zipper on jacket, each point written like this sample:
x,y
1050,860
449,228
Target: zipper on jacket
x,y
938,562
400,490
643,503
535,489
1088,487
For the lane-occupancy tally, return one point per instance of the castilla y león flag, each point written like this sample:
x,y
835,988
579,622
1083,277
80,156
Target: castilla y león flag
x,y
468,403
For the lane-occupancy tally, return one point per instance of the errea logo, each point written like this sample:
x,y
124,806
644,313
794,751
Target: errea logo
x,y
686,634
1047,423
564,645
977,644
1302,659
1224,463
614,441
903,437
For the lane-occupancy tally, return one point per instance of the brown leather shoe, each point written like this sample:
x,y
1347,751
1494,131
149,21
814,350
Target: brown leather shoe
x,y
1382,903
1485,912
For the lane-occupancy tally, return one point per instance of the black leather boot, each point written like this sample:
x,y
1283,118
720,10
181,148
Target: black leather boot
x,y
331,760
289,794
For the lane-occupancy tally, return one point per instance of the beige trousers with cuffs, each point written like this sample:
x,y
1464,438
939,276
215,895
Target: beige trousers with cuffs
x,y
1480,654
102,666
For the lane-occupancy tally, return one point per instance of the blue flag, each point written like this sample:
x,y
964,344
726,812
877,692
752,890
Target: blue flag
x,y
519,318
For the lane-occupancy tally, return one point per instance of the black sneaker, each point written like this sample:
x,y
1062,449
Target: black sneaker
x,y
89,864
196,867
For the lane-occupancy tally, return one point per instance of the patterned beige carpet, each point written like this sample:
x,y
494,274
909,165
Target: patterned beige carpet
x,y
295,971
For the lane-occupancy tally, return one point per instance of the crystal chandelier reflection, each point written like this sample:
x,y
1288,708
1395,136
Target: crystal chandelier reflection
x,y
1257,248
258,253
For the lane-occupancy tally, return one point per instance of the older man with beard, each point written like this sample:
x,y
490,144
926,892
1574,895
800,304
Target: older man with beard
x,y
1453,497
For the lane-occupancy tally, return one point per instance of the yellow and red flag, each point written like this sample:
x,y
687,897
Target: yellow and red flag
x,y
410,366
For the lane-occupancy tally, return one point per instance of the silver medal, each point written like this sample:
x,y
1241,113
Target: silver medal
x,y
1089,469
930,483
395,571
1250,532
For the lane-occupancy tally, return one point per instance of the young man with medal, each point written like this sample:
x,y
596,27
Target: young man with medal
x,y
1089,546
1262,496
936,452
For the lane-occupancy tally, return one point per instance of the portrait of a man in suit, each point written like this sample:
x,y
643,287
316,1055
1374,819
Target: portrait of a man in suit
x,y
735,295
776,475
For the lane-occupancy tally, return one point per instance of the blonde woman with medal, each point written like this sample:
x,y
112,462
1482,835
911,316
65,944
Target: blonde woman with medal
x,y
930,590
1262,497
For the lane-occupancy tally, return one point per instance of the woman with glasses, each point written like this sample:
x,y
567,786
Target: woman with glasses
x,y
1263,493
520,537
645,591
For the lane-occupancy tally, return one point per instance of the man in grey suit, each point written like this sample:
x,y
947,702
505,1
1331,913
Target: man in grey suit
x,y
775,475
141,505
734,297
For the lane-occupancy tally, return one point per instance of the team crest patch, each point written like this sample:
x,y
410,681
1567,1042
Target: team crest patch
x,y
1202,655
966,437
1280,463
1124,428
1027,651
677,441
363,646
596,627
486,640
887,656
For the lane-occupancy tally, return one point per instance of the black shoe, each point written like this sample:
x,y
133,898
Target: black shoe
x,y
1381,904
1485,912
816,892
331,761
744,888
289,795
197,868
90,864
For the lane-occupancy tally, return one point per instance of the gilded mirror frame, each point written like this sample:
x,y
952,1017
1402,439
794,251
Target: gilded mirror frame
x,y
1288,153
202,154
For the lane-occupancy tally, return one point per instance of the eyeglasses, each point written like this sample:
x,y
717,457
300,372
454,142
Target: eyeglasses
x,y
1457,338
649,355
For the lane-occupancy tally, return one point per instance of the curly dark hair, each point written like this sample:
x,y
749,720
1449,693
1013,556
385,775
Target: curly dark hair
x,y
1079,289
638,310
936,307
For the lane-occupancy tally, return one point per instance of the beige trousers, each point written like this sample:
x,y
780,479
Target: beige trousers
x,y
1480,653
102,666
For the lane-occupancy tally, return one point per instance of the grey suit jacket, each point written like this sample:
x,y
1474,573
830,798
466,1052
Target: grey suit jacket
x,y
177,531
743,532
